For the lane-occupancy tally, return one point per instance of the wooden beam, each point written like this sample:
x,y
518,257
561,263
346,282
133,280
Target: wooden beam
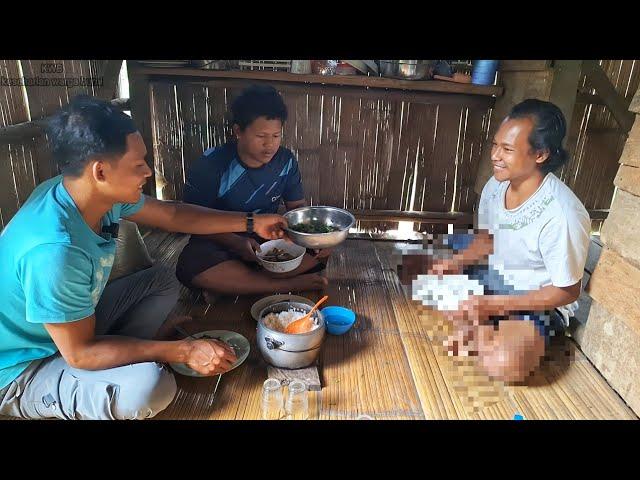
x,y
586,97
21,131
423,97
600,214
589,99
140,96
523,65
411,237
110,74
606,130
616,103
564,89
422,217
352,80
435,217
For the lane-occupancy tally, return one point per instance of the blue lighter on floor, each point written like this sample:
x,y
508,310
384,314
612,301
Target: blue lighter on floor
x,y
517,416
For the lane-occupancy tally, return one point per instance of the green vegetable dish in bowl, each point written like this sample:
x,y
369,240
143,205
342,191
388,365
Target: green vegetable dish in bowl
x,y
318,227
313,227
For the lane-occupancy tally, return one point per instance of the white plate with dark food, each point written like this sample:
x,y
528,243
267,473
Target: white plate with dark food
x,y
237,342
263,303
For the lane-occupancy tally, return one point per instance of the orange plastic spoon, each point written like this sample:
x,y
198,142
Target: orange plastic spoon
x,y
304,324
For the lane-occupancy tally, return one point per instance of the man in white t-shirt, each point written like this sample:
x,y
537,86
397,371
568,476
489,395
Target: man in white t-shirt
x,y
529,249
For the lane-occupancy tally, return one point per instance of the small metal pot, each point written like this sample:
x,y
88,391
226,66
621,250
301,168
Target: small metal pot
x,y
215,64
406,69
301,66
290,350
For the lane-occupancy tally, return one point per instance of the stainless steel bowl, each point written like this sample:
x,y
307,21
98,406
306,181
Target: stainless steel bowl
x,y
332,216
406,69
290,350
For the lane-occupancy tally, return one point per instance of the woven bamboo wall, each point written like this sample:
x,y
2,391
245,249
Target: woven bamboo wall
x,y
357,149
26,162
599,141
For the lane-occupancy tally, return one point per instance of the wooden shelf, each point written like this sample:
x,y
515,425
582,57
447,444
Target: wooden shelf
x,y
423,217
347,80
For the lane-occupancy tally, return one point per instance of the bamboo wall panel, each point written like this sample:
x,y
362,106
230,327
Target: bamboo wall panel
x,y
356,150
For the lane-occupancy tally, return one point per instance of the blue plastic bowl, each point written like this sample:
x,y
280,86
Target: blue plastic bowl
x,y
339,320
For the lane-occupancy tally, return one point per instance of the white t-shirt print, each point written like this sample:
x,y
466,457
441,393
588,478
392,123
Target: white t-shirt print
x,y
543,242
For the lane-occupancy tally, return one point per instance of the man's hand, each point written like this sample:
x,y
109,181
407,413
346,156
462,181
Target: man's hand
x,y
247,249
209,357
269,226
446,266
473,311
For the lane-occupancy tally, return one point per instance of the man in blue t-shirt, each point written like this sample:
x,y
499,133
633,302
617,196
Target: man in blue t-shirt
x,y
72,347
253,173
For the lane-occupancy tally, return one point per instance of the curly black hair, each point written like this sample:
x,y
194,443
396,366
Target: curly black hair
x,y
87,128
549,129
258,101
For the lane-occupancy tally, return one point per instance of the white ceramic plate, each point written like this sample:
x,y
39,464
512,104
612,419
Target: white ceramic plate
x,y
444,293
263,303
239,344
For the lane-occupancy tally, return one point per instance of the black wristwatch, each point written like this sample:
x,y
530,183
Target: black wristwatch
x,y
250,222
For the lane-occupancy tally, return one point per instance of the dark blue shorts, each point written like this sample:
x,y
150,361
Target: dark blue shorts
x,y
200,254
549,323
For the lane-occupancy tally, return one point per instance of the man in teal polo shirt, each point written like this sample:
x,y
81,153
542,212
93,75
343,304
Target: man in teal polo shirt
x,y
72,347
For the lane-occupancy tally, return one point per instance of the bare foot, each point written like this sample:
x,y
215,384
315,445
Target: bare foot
x,y
461,343
310,281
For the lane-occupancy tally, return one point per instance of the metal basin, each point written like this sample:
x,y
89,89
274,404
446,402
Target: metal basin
x,y
406,69
331,216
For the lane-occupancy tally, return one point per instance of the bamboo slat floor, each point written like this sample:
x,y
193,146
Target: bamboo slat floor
x,y
390,365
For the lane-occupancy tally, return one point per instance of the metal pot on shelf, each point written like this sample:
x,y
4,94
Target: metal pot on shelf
x,y
406,69
215,64
324,67
302,67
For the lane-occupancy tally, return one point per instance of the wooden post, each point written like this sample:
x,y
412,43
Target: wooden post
x,y
564,91
110,73
35,128
616,103
140,99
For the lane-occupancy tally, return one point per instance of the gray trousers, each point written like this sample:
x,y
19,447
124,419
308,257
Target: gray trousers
x,y
134,306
